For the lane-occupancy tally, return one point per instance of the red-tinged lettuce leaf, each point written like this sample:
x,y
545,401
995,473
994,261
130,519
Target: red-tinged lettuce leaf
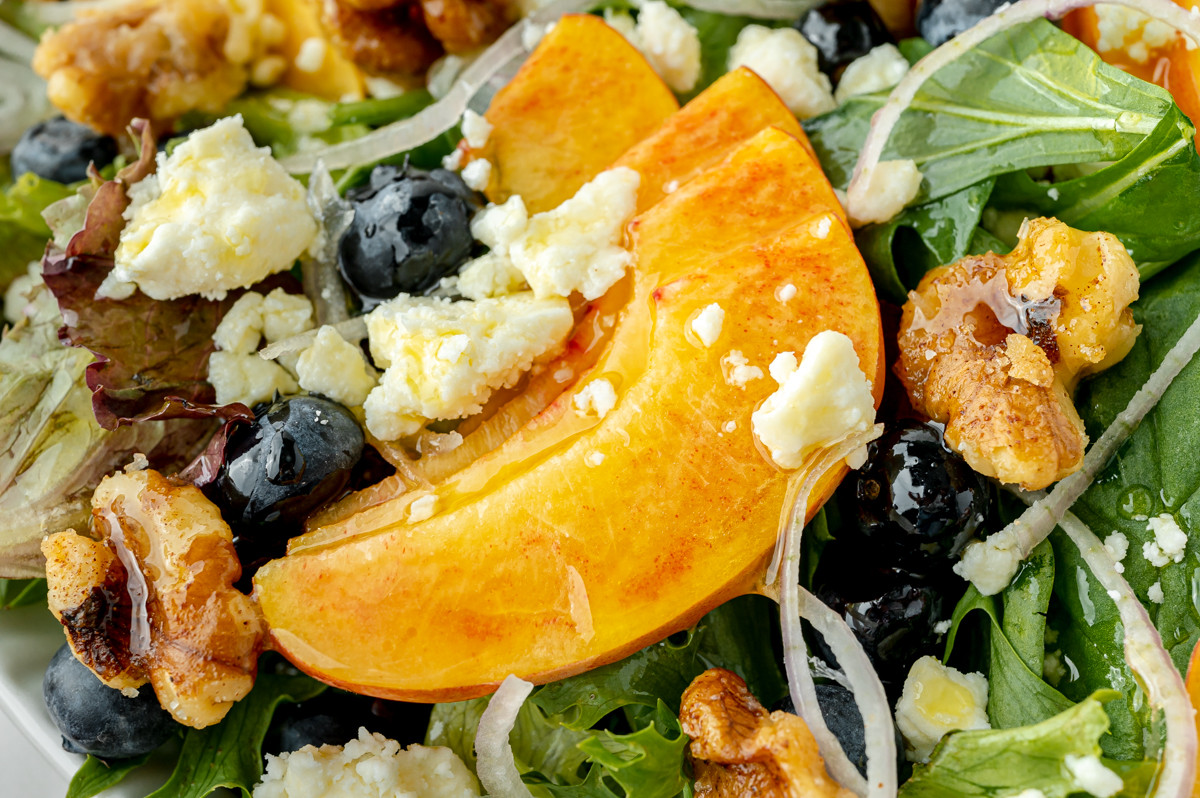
x,y
102,230
204,469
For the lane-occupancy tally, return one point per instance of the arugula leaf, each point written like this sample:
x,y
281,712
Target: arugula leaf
x,y
1141,199
1009,761
230,753
900,251
735,636
17,593
1029,96
95,775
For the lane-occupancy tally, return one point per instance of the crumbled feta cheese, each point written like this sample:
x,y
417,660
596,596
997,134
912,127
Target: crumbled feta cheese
x,y
311,55
475,129
1052,193
453,161
477,173
737,369
822,227
670,187
382,88
879,69
493,274
941,627
664,37
595,459
991,564
785,293
247,378
498,226
1117,546
1052,667
336,368
596,398
938,699
489,275
788,63
729,426
891,186
241,327
1129,29
1155,593
219,214
1170,540
820,400
1092,777
707,324
422,508
370,767
285,315
506,336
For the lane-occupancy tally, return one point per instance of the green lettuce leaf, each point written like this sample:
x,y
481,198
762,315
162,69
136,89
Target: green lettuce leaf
x,y
95,775
22,228
648,763
1005,762
17,593
230,753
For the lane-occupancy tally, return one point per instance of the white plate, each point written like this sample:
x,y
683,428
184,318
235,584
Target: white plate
x,y
28,639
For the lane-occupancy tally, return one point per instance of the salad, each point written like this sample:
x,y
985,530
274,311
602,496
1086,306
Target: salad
x,y
606,399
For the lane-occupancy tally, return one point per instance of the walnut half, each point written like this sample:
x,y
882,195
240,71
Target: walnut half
x,y
740,749
152,599
994,345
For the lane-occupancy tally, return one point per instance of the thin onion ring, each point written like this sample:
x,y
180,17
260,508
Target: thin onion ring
x,y
762,9
495,764
885,119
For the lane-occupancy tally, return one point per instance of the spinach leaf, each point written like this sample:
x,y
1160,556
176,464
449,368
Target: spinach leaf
x,y
95,776
735,636
1145,199
1030,96
17,593
230,753
718,33
900,251
1009,761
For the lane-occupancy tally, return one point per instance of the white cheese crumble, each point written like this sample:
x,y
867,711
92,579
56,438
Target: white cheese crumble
x,y
669,43
788,63
285,315
990,565
707,324
1091,776
241,327
422,509
1032,792
336,368
1053,670
453,161
891,186
737,369
879,69
247,378
1117,546
1129,29
596,398
941,627
475,129
219,214
729,426
311,54
785,293
477,173
1155,593
821,399
370,767
938,699
444,359
1169,541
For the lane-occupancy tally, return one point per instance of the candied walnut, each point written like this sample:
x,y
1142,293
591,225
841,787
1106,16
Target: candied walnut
x,y
388,41
738,748
155,59
153,598
993,347
465,25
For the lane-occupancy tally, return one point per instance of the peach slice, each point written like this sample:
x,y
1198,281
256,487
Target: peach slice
x,y
584,97
337,76
703,132
580,540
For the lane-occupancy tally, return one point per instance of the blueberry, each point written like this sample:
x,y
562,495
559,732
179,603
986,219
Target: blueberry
x,y
918,502
939,21
411,228
318,730
842,32
97,719
61,150
844,720
892,612
298,455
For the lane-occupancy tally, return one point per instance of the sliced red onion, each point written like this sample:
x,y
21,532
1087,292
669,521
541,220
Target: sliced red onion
x,y
763,9
495,764
441,116
795,603
353,330
898,101
1148,658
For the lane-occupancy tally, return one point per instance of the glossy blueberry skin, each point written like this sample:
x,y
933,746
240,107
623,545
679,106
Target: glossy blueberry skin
x,y
842,32
97,719
939,21
297,455
317,730
411,228
844,720
60,150
918,502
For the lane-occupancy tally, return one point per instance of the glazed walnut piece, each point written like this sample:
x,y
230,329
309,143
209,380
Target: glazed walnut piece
x,y
738,748
156,59
384,41
993,347
152,599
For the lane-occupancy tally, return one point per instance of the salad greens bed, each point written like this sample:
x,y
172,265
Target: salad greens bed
x,y
1030,123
